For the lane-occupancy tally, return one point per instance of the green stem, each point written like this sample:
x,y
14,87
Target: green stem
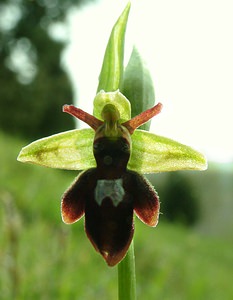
x,y
127,276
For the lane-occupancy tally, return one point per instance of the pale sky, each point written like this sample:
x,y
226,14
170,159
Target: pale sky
x,y
188,48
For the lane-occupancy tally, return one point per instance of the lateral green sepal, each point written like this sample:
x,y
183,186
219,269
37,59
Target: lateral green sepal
x,y
153,153
71,150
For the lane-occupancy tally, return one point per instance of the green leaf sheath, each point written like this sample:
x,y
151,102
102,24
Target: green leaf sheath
x,y
153,153
138,86
71,150
111,75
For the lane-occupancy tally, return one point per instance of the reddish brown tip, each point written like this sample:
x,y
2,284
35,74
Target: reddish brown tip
x,y
92,121
142,118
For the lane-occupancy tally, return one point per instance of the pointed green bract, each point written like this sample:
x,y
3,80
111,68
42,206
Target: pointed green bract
x,y
117,99
71,150
152,153
111,75
138,86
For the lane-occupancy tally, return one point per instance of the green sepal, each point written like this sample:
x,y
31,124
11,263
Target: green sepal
x,y
117,99
138,86
71,150
111,75
153,153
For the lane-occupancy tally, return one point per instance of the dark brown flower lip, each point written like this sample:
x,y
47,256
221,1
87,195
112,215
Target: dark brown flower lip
x,y
109,226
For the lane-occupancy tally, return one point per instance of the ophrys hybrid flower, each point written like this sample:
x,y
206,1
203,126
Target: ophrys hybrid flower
x,y
113,154
109,193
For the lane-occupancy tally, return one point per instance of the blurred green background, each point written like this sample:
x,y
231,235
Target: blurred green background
x,y
188,256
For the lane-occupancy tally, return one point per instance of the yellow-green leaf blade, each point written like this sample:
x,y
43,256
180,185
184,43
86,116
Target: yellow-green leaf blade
x,y
152,153
111,75
71,150
138,86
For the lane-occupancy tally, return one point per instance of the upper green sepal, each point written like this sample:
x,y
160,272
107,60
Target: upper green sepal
x,y
117,99
153,153
71,150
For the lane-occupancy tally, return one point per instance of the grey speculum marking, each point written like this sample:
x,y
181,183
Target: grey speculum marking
x,y
112,189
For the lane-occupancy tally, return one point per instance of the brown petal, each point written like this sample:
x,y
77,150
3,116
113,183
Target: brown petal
x,y
146,200
142,118
92,121
110,228
73,201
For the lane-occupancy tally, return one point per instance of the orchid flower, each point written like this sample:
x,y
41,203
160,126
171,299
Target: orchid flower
x,y
113,155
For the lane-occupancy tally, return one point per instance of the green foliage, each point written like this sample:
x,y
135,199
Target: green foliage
x,y
33,95
179,200
178,263
34,109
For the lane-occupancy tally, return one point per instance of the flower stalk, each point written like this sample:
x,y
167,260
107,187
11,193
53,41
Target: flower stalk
x,y
127,276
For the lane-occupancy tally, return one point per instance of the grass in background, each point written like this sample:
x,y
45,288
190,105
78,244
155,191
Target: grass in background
x,y
42,258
